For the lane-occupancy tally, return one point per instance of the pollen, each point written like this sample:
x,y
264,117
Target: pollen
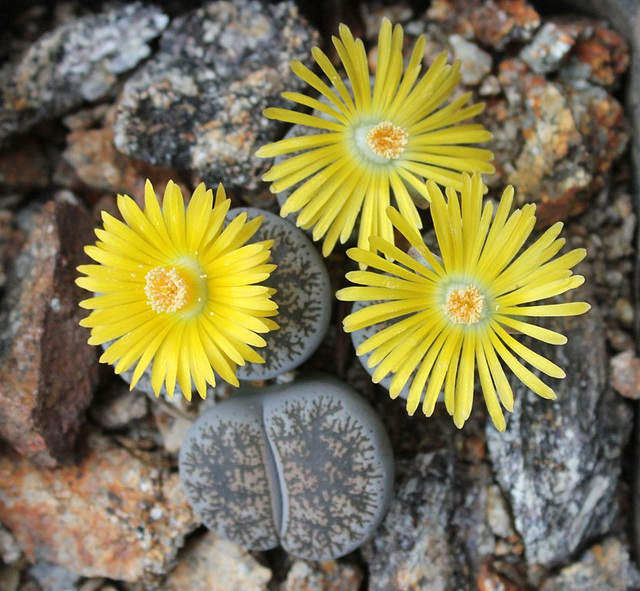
x,y
464,305
387,140
166,289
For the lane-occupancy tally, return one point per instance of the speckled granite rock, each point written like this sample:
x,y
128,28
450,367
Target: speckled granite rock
x,y
412,549
127,518
47,369
77,62
605,567
572,135
198,102
559,462
210,563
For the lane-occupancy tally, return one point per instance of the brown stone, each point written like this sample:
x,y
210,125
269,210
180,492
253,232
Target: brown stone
x,y
99,166
493,23
328,576
571,138
24,166
112,515
625,374
210,563
47,369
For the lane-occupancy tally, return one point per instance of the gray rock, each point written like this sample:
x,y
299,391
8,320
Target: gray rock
x,y
77,62
198,103
52,577
118,407
306,465
547,49
436,534
475,63
605,567
303,294
9,548
559,463
411,549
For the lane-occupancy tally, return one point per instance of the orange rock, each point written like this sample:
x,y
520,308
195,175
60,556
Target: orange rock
x,y
111,515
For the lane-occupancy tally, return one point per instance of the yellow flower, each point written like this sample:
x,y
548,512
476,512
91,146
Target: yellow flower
x,y
373,142
461,311
175,289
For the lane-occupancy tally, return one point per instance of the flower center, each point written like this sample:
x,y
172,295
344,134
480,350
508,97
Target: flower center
x,y
167,289
464,305
387,140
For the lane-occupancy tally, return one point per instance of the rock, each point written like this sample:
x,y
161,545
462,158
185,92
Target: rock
x,y
110,515
417,526
328,576
197,104
605,567
77,62
24,167
600,56
547,49
559,463
9,549
47,369
210,563
572,136
173,428
98,165
306,465
475,63
118,406
9,578
498,514
493,23
624,369
52,577
303,294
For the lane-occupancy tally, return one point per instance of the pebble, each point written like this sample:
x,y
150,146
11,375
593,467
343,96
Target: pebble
x,y
117,407
210,563
327,576
547,49
52,577
624,369
475,63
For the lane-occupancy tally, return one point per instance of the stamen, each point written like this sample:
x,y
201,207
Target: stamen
x,y
387,140
464,305
166,289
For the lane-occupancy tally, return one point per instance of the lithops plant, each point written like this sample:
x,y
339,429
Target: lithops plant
x,y
305,465
303,294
